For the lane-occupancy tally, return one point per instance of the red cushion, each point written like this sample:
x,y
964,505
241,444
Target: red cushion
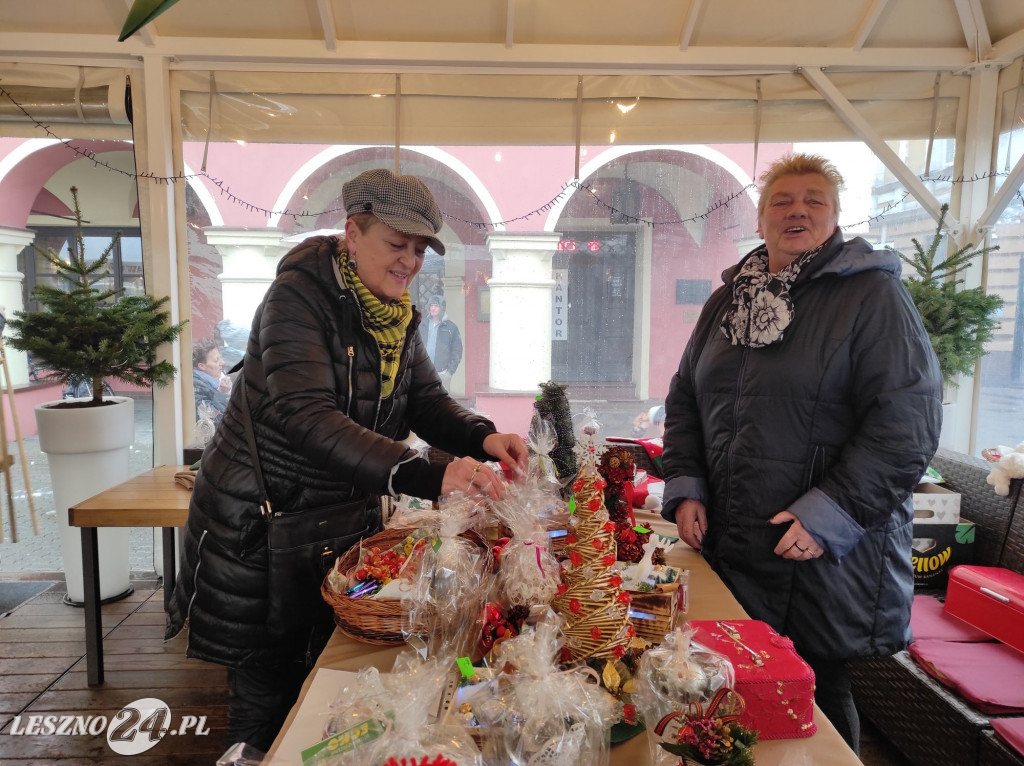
x,y
929,621
990,675
1011,730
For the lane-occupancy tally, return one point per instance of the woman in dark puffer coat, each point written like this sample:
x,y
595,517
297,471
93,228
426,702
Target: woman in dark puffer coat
x,y
335,374
805,410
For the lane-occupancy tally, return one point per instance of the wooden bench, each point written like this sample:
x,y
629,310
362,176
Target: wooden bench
x,y
151,499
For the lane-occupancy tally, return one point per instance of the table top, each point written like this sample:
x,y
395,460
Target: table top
x,y
709,599
151,499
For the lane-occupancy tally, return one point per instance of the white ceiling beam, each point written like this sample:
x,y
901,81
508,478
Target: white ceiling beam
x,y
327,24
510,23
1009,49
976,34
690,25
868,23
860,127
1003,197
490,58
144,33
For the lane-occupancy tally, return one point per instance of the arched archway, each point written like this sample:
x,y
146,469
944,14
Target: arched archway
x,y
641,248
460,276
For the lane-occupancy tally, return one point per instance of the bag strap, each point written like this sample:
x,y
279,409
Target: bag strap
x,y
250,437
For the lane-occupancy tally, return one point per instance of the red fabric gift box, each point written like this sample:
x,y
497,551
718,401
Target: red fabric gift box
x,y
989,598
775,683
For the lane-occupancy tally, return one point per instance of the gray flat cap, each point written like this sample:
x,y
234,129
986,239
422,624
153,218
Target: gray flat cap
x,y
401,202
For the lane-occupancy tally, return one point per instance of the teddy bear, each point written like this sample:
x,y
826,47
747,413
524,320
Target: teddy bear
x,y
1008,464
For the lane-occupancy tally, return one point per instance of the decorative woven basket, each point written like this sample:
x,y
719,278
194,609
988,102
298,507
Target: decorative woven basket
x,y
651,614
369,620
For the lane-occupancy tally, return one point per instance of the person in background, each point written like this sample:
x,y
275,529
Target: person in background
x,y
650,423
231,339
209,383
805,409
442,340
334,377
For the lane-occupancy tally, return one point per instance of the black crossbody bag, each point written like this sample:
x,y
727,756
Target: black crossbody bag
x,y
301,546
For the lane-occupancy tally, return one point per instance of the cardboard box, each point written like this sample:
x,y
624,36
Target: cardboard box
x,y
934,504
937,548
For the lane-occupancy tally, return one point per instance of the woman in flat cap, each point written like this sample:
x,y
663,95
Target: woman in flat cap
x,y
335,375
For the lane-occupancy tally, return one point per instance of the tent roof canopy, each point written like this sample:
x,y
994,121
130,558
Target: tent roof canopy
x,y
536,36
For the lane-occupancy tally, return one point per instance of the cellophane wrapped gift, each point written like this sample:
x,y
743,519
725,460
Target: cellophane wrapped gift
x,y
552,716
670,679
528,572
541,440
205,425
416,729
449,583
360,712
413,513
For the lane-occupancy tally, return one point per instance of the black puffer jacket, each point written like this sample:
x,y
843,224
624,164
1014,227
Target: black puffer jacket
x,y
836,423
312,378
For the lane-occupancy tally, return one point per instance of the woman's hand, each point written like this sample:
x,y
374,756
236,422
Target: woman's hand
x,y
797,543
509,449
692,522
469,475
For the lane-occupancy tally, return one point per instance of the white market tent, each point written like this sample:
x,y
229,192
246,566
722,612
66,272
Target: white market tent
x,y
527,72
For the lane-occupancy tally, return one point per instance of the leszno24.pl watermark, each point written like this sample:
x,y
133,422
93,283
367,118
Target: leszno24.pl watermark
x,y
133,729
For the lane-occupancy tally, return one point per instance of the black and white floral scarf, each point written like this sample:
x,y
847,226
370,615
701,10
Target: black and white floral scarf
x,y
761,307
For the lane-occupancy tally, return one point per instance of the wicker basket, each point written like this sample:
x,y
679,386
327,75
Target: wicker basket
x,y
651,614
368,620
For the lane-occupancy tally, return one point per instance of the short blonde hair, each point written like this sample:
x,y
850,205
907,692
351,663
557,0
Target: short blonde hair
x,y
800,165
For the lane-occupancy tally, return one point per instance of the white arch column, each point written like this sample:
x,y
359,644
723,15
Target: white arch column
x,y
12,242
250,259
522,287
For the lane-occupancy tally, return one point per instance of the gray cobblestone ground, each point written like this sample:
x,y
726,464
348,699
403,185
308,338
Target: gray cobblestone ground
x,y
39,554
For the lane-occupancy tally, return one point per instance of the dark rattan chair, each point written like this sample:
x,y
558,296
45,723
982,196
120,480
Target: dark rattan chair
x,y
995,752
928,723
999,535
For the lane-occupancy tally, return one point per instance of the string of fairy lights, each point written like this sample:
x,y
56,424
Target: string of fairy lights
x,y
568,188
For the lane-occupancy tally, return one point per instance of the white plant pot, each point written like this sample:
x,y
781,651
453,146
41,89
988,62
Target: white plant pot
x,y
87,449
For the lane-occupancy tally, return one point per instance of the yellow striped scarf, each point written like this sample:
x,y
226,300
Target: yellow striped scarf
x,y
386,322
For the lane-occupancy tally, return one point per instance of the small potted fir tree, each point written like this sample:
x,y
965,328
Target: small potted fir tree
x,y
87,332
959,321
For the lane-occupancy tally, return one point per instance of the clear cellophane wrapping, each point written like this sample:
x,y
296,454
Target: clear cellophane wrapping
x,y
673,677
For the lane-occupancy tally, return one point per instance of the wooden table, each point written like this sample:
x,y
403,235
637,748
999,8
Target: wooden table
x,y
151,499
709,599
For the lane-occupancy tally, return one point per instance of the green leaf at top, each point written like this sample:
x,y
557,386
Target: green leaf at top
x,y
142,12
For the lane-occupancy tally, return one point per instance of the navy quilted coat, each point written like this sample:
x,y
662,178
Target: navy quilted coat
x,y
836,423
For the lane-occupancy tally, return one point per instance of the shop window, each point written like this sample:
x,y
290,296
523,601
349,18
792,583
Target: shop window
x,y
124,270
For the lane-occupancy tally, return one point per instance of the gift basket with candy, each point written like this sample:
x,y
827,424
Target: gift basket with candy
x,y
357,577
372,586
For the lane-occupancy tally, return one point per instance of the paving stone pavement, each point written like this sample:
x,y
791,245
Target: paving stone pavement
x,y
35,555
